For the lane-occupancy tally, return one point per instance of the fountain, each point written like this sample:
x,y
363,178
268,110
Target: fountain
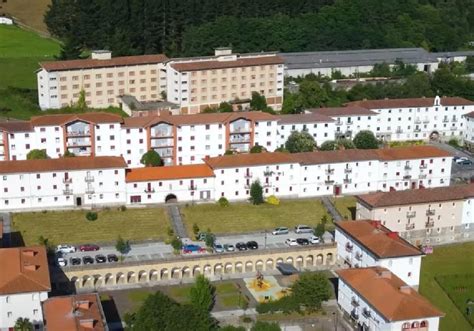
x,y
265,289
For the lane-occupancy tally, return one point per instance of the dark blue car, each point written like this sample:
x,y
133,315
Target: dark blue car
x,y
191,248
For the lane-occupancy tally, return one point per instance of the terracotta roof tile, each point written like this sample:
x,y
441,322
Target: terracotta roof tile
x,y
417,196
216,64
343,111
114,62
169,172
412,152
60,119
388,294
470,115
246,160
24,269
411,102
68,163
378,239
347,155
304,118
80,312
16,126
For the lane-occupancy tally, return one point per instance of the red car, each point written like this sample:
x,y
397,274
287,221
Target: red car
x,y
88,248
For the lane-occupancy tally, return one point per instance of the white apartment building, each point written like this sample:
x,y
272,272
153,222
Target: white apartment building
x,y
423,216
376,299
62,183
418,118
200,82
468,132
24,285
364,243
102,78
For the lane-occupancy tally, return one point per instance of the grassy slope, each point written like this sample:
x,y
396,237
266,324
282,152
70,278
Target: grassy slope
x,y
345,206
29,12
243,217
72,226
447,260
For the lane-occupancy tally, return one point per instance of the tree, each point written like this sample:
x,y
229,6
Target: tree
x,y
311,289
151,159
329,145
225,107
177,244
312,94
321,227
68,153
365,139
123,246
202,294
232,328
344,143
299,142
23,324
256,193
265,326
258,101
70,50
229,152
195,229
209,239
256,149
81,101
37,154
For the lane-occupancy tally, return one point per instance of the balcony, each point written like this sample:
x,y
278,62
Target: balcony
x,y
266,185
240,140
349,247
422,176
350,122
355,302
67,191
358,256
329,171
347,180
78,143
407,177
267,173
417,121
248,175
329,182
149,190
423,166
411,214
366,313
338,123
445,120
347,170
238,130
162,134
354,315
89,179
417,129
453,128
430,212
67,180
454,119
410,226
399,130
192,187
78,133
407,167
90,190
426,121
429,224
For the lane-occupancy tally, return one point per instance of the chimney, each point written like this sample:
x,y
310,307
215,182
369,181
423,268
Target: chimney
x,y
29,252
393,235
87,323
83,304
223,51
405,289
385,274
101,55
375,224
31,267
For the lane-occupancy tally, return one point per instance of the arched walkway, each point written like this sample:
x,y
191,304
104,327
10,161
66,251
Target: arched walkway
x,y
309,261
259,266
153,276
270,265
319,259
164,274
171,198
239,267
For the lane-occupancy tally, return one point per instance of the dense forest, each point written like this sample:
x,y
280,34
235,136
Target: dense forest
x,y
195,27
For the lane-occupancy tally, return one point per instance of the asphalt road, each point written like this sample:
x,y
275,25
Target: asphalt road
x,y
458,172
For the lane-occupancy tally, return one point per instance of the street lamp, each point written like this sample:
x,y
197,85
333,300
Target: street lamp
x,y
334,314
265,238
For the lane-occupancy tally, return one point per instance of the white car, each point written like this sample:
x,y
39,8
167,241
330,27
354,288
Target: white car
x,y
65,249
460,159
280,230
291,242
314,240
61,262
303,229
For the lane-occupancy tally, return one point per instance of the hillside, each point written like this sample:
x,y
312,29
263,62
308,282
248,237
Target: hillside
x,y
29,12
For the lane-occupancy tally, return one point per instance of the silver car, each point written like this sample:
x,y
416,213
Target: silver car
x,y
280,230
303,229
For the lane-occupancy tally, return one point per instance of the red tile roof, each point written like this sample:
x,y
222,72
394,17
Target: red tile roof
x,y
412,152
23,270
304,118
60,119
15,126
168,173
343,111
411,102
216,64
68,163
114,62
418,196
338,156
388,294
248,160
377,239
470,115
80,312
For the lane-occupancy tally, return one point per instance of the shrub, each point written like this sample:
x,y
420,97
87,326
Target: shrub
x,y
273,200
91,216
453,142
223,202
123,208
286,305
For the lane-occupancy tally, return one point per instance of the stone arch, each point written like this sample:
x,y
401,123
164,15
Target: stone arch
x,y
218,269
319,259
109,279
98,279
329,258
164,274
171,198
87,281
269,264
197,270
131,277
76,282
259,265
153,275
142,276
249,266
289,260
186,272
175,273
279,260
207,269
229,268
299,262
120,278
239,267
309,260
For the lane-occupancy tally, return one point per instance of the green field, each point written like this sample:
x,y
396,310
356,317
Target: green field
x,y
460,289
244,217
345,206
446,262
73,228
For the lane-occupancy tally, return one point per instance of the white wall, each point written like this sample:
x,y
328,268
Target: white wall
x,y
26,305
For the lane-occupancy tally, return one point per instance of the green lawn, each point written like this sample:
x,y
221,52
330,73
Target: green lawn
x,y
73,228
447,261
244,217
460,289
345,206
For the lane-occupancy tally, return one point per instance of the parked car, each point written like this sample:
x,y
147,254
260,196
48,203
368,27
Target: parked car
x,y
75,261
241,246
280,230
465,162
303,229
460,159
252,245
302,241
100,258
219,248
61,262
87,260
65,249
191,248
291,242
229,247
112,258
314,240
88,248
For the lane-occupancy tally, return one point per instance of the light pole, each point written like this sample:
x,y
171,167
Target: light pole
x,y
265,238
334,314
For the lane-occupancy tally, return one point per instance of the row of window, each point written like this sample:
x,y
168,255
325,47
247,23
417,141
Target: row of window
x,y
107,75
